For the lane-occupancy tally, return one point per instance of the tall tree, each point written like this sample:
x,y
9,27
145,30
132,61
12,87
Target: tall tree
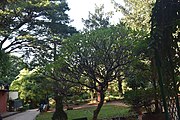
x,y
30,85
23,22
56,28
137,15
165,44
36,26
26,25
98,19
61,87
96,58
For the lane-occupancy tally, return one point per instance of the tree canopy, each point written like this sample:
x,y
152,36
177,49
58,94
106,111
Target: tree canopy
x,y
97,57
98,19
31,85
27,24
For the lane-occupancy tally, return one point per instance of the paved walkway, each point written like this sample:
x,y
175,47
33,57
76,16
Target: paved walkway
x,y
6,114
27,115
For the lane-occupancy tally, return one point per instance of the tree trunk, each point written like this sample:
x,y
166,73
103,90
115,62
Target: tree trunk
x,y
98,97
120,87
154,79
100,104
92,96
59,113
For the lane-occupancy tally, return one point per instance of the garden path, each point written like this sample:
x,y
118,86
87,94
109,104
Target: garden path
x,y
27,115
117,103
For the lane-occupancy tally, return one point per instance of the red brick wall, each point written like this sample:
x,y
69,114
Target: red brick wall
x,y
3,101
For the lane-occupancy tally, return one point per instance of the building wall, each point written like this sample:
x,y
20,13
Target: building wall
x,y
3,101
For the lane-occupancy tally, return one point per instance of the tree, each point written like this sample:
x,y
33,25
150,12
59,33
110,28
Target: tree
x,y
36,26
96,58
98,19
165,47
4,66
30,85
60,86
57,29
10,67
25,25
15,17
25,22
137,15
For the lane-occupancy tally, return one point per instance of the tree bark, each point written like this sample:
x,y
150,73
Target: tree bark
x,y
154,80
120,87
92,95
59,113
100,104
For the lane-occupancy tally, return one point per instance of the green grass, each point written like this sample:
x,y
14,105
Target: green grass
x,y
44,116
107,111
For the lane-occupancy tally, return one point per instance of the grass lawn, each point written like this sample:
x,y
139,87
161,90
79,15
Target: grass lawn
x,y
107,111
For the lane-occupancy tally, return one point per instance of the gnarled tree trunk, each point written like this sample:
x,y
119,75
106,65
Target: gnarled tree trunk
x,y
100,104
59,113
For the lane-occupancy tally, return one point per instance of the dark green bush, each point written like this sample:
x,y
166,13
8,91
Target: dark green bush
x,y
140,98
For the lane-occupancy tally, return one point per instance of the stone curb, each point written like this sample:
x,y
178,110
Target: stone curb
x,y
10,114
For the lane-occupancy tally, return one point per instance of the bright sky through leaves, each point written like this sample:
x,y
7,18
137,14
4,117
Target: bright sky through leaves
x,y
80,9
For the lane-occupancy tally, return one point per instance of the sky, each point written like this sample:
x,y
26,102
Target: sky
x,y
80,9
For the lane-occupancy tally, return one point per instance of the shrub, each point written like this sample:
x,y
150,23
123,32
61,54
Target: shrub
x,y
140,98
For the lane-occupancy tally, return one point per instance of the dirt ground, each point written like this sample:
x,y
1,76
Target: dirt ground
x,y
117,103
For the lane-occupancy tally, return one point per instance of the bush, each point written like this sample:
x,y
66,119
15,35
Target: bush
x,y
140,98
23,108
85,96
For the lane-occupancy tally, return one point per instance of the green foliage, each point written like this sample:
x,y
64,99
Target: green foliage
x,y
164,42
98,54
140,98
4,65
113,88
60,79
29,26
96,58
165,48
137,13
9,67
138,75
137,16
30,85
98,19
